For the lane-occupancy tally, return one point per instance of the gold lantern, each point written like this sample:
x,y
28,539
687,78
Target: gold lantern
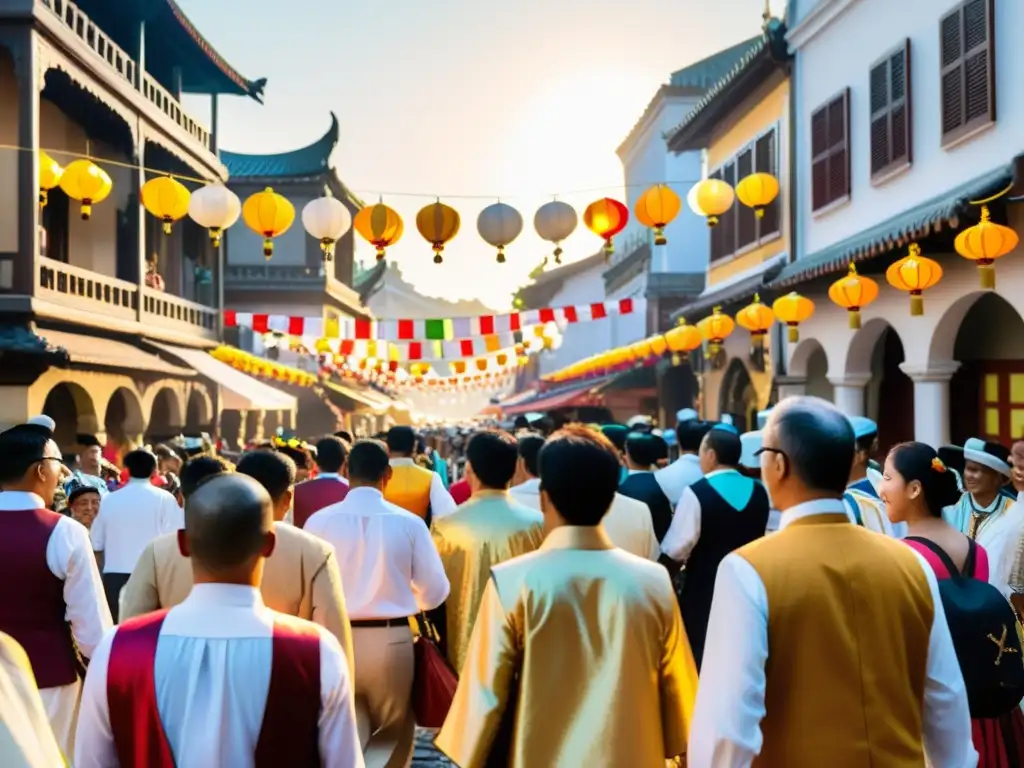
x,y
853,293
756,318
380,226
914,274
758,191
711,198
50,172
641,350
167,199
438,224
716,328
985,242
658,345
656,208
793,309
86,182
268,214
682,340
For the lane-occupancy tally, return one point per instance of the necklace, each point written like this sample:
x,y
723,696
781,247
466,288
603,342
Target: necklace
x,y
978,516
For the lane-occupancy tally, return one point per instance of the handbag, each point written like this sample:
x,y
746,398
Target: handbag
x,y
435,681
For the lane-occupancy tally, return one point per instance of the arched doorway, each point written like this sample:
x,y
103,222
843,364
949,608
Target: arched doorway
x,y
123,420
72,409
810,363
197,414
679,389
890,392
737,396
164,417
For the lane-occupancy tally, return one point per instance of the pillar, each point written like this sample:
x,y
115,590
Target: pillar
x,y
931,400
29,85
848,392
791,386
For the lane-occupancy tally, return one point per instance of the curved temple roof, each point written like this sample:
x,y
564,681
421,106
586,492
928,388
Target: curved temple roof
x,y
311,160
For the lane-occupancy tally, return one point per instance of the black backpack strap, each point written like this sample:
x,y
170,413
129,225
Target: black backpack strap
x,y
850,499
969,563
940,553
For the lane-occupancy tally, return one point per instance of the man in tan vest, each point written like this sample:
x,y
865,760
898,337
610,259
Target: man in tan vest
x,y
861,669
300,578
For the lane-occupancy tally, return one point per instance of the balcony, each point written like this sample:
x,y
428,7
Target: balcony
x,y
289,284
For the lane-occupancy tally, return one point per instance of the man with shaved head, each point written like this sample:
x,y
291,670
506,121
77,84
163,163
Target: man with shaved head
x,y
862,667
219,679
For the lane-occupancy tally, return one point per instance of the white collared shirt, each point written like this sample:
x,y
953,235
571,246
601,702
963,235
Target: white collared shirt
x,y
69,557
441,502
212,673
726,730
389,564
678,476
331,476
130,518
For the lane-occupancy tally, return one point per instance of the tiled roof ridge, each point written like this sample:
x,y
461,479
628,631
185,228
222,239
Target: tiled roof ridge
x,y
311,159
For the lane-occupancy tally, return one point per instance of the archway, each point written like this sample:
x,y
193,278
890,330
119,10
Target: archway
x,y
164,416
123,419
890,392
198,413
737,396
679,389
985,334
73,411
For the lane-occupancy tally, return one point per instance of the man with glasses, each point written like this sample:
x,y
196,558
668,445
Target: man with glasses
x,y
862,667
57,610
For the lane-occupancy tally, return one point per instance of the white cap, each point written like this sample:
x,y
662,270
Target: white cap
x,y
991,455
686,414
43,420
637,421
751,443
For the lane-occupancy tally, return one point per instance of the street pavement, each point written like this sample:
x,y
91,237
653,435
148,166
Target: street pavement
x,y
426,755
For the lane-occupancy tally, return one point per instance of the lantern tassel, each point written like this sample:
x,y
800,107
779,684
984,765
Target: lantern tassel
x,y
380,253
794,334
854,314
167,226
916,304
43,198
609,247
659,236
215,236
86,210
759,211
268,248
501,254
676,359
987,273
712,221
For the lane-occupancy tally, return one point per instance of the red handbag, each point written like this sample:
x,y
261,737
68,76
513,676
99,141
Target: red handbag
x,y
435,681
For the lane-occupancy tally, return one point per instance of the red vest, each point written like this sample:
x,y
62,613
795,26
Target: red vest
x,y
32,610
313,495
290,730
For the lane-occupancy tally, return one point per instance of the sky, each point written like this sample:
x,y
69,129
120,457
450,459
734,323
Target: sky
x,y
467,100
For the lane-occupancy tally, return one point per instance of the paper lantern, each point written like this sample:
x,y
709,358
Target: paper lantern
x,y
268,214
380,226
499,224
481,363
327,219
438,224
215,208
985,242
658,345
758,191
756,318
554,222
853,293
50,172
682,340
641,350
716,328
87,183
691,201
656,208
713,197
606,218
793,309
167,199
914,274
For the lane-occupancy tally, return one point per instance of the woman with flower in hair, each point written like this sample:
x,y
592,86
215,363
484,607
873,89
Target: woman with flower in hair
x,y
298,452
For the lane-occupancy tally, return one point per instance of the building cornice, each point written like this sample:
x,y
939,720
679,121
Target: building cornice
x,y
815,22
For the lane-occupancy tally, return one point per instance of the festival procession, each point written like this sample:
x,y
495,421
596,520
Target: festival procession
x,y
703,447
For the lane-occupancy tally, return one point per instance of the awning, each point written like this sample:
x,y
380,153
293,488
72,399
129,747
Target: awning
x,y
351,398
738,288
238,392
925,219
568,397
107,353
643,377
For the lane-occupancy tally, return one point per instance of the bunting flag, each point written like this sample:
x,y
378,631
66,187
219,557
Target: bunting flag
x,y
413,351
438,329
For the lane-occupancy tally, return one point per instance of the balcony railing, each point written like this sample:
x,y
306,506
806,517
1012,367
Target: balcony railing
x,y
169,311
97,41
268,274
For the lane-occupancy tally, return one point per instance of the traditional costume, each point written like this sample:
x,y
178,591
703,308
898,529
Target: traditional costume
x,y
418,490
579,656
217,680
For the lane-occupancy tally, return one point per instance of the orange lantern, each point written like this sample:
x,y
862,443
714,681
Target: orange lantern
x,y
716,328
459,367
914,274
501,358
656,208
793,309
756,318
481,363
438,224
682,340
984,243
380,226
853,293
606,218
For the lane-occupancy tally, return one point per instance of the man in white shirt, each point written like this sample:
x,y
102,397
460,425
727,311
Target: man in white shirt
x,y
219,680
128,520
390,570
684,471
863,670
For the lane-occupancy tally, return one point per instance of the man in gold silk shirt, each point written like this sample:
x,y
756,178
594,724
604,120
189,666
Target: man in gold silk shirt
x,y
490,528
578,654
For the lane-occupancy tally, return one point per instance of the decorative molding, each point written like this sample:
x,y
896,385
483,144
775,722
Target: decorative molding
x,y
931,372
819,18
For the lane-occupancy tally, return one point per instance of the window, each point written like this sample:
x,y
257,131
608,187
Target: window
x,y
968,82
891,143
739,227
1002,402
830,152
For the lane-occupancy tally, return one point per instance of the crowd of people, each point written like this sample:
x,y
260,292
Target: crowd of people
x,y
770,598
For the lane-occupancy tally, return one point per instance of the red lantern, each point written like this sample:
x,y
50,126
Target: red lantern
x,y
606,218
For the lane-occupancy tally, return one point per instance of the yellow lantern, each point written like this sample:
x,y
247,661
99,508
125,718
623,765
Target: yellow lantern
x,y
86,182
167,199
380,226
658,345
656,208
268,214
50,172
757,191
716,328
985,242
853,293
641,350
914,274
756,318
712,198
438,224
683,339
793,309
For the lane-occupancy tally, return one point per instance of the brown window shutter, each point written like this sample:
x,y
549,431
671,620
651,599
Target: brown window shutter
x,y
881,147
765,162
890,111
967,75
746,219
728,219
819,159
839,147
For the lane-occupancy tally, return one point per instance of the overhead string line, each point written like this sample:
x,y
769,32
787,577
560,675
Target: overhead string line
x,y
361,192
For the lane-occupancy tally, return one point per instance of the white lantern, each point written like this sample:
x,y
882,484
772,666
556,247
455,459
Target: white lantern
x,y
327,219
554,222
499,224
691,200
216,208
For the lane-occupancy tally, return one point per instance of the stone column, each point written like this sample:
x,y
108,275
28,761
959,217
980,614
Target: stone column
x,y
791,386
931,400
848,394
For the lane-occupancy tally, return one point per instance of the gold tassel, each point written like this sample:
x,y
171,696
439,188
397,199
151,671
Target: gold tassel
x,y
794,334
854,319
916,304
987,273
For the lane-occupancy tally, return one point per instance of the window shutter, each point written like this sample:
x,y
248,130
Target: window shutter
x,y
839,147
728,219
746,219
765,162
881,148
890,111
967,75
819,159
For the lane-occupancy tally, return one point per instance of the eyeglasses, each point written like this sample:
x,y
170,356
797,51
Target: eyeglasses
x,y
766,449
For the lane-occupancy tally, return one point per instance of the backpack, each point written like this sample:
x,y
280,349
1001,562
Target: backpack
x,y
986,636
851,501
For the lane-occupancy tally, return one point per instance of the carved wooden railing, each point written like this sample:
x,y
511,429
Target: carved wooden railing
x,y
173,313
83,289
171,107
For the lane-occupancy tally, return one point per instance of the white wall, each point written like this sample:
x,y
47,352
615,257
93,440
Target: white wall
x,y
841,54
580,339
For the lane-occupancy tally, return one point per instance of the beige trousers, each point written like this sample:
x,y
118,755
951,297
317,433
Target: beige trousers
x,y
384,673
